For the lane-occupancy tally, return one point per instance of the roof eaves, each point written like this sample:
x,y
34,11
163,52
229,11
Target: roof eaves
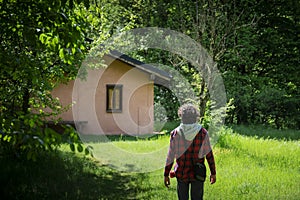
x,y
141,65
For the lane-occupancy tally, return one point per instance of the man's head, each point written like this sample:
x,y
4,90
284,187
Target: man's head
x,y
188,113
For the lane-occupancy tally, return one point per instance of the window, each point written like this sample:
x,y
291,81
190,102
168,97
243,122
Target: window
x,y
114,98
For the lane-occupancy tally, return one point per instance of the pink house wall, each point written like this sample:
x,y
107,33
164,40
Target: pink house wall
x,y
89,100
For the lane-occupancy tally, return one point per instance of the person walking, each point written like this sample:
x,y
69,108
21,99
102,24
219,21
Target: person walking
x,y
190,146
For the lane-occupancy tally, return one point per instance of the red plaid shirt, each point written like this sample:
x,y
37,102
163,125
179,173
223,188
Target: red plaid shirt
x,y
184,156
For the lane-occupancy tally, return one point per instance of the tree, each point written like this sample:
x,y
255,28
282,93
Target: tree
x,y
256,46
265,64
211,23
42,44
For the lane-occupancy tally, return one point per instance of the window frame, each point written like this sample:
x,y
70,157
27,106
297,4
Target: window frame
x,y
112,107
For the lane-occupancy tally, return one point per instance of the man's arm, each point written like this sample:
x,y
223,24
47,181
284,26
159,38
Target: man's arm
x,y
207,151
169,160
211,163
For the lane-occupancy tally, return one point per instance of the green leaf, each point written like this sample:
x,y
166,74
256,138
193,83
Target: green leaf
x,y
43,38
72,147
79,148
62,54
39,139
89,150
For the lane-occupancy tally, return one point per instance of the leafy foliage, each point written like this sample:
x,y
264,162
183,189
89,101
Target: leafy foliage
x,y
256,45
264,59
42,44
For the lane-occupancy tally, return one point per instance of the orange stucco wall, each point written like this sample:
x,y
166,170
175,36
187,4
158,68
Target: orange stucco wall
x,y
89,100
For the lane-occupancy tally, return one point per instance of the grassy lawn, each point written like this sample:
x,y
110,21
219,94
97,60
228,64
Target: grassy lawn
x,y
249,166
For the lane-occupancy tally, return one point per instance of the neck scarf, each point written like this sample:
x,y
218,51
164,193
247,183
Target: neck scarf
x,y
189,130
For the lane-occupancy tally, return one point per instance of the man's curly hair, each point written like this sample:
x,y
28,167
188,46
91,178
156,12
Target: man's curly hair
x,y
188,113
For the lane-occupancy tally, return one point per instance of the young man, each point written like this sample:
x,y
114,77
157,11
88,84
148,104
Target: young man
x,y
189,143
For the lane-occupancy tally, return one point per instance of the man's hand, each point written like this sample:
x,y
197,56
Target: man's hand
x,y
167,181
213,179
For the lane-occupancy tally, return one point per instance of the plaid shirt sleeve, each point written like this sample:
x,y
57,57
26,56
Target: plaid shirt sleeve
x,y
171,154
211,163
209,156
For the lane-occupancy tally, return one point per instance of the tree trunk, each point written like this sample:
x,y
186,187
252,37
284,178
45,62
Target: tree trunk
x,y
204,96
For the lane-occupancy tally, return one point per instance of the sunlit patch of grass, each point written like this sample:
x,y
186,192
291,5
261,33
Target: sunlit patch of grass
x,y
137,155
256,168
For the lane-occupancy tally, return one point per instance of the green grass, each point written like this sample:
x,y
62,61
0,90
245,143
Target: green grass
x,y
256,168
249,166
261,131
132,155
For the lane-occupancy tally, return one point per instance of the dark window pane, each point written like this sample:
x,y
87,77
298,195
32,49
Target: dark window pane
x,y
114,98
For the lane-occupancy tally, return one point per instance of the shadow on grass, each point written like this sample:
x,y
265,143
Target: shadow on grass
x,y
261,131
64,176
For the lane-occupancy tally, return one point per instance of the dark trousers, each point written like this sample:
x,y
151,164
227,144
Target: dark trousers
x,y
196,190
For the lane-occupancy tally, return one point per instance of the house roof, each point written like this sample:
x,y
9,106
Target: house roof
x,y
159,77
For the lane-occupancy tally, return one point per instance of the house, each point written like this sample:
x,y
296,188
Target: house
x,y
118,99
